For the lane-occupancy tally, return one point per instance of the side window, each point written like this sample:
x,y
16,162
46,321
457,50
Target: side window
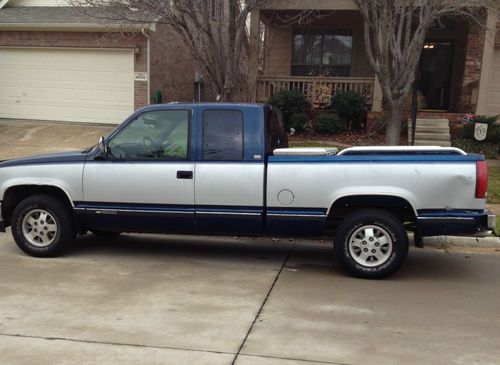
x,y
156,135
223,135
276,136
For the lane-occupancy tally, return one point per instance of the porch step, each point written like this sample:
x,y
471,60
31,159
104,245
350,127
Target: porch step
x,y
432,136
431,132
424,142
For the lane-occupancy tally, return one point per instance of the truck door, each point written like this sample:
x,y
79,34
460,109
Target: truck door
x,y
229,181
145,183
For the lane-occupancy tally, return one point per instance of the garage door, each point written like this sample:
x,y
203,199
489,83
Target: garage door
x,y
493,95
80,85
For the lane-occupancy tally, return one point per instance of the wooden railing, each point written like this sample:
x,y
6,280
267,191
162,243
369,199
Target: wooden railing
x,y
318,90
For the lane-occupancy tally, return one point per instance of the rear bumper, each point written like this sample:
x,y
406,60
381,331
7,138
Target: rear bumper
x,y
2,222
455,222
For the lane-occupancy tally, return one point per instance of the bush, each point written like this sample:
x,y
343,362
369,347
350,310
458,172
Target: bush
x,y
329,123
290,103
298,121
349,106
493,135
489,150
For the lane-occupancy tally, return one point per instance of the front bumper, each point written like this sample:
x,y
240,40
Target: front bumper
x,y
2,222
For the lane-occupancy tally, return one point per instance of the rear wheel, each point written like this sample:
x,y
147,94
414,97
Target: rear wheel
x,y
43,226
371,243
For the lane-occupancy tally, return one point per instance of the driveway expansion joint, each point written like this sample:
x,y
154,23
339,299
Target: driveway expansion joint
x,y
114,343
276,278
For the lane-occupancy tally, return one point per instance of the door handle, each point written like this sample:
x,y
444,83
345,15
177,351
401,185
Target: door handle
x,y
184,174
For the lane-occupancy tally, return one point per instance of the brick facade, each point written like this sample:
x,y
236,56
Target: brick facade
x,y
172,66
87,40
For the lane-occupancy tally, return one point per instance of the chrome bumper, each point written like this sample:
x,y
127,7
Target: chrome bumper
x,y
2,222
491,220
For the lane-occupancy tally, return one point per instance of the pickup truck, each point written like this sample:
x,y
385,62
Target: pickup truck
x,y
226,169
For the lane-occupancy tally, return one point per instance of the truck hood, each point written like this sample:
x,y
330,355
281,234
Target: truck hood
x,y
52,158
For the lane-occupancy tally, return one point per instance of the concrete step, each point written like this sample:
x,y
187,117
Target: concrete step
x,y
431,129
432,136
435,122
432,143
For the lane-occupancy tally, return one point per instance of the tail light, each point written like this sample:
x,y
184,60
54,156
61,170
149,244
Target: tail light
x,y
481,179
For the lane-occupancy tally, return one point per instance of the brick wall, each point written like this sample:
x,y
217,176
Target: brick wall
x,y
472,68
87,40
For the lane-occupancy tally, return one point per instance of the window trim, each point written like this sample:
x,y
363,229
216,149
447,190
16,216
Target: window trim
x,y
322,32
189,136
242,134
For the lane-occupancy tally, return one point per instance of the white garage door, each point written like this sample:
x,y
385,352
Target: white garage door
x,y
493,95
81,85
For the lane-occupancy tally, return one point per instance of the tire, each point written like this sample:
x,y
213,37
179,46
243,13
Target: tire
x,y
371,243
99,233
43,226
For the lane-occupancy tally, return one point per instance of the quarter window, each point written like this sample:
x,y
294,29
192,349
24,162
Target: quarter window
x,y
157,135
223,135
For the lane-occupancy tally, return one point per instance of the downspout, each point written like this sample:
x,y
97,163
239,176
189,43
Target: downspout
x,y
148,41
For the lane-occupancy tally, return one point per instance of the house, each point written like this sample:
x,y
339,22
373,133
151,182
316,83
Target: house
x,y
61,63
459,69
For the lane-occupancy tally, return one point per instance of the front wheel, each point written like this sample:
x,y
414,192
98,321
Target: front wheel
x,y
42,226
371,243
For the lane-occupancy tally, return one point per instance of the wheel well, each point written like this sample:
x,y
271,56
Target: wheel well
x,y
14,195
342,207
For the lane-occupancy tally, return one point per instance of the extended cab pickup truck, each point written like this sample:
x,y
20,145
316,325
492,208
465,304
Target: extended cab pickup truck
x,y
225,169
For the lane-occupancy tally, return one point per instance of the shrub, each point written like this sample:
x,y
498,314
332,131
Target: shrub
x,y
489,150
290,103
349,106
493,135
329,123
298,121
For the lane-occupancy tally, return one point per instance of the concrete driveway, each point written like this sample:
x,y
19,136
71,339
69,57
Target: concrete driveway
x,y
145,299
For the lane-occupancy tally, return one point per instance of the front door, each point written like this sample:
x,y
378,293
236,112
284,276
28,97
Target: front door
x,y
145,184
435,74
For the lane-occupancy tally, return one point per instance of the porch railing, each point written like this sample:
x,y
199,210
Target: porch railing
x,y
318,90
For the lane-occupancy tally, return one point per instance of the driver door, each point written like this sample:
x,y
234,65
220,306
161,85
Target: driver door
x,y
145,183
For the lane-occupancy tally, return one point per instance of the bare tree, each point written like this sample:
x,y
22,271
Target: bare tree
x,y
394,34
214,31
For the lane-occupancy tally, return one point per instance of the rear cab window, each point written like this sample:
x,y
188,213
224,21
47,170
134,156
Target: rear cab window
x,y
222,135
276,135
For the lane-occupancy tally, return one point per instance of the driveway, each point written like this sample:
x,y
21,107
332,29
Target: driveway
x,y
146,299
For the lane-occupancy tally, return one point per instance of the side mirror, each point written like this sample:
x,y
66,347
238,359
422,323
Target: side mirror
x,y
103,147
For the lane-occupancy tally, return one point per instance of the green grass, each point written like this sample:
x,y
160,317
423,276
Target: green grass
x,y
494,186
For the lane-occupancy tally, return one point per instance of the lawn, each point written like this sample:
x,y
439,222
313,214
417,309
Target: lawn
x,y
494,186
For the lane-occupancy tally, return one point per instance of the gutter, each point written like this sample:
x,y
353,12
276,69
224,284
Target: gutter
x,y
148,41
69,27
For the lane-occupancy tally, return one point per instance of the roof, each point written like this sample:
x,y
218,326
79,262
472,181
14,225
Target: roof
x,y
67,16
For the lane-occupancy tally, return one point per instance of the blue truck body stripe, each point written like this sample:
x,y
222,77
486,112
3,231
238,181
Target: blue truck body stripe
x,y
378,159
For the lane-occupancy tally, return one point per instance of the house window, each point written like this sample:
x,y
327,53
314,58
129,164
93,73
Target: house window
x,y
321,53
215,9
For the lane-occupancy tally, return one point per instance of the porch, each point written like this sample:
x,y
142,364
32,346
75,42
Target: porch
x,y
325,53
317,90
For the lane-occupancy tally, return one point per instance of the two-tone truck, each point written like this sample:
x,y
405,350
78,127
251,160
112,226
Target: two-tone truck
x,y
226,169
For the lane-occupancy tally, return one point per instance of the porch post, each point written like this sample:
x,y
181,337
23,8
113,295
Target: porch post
x,y
377,96
486,64
253,53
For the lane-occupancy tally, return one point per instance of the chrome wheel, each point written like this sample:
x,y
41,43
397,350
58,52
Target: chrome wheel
x,y
39,228
370,245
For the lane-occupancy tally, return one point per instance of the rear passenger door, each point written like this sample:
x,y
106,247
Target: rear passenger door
x,y
229,182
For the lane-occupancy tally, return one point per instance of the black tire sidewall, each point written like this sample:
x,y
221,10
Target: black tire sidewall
x,y
62,216
379,218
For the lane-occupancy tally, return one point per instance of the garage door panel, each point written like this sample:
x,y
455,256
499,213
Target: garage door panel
x,y
66,84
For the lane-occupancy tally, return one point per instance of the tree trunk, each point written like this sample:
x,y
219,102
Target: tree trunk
x,y
393,132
